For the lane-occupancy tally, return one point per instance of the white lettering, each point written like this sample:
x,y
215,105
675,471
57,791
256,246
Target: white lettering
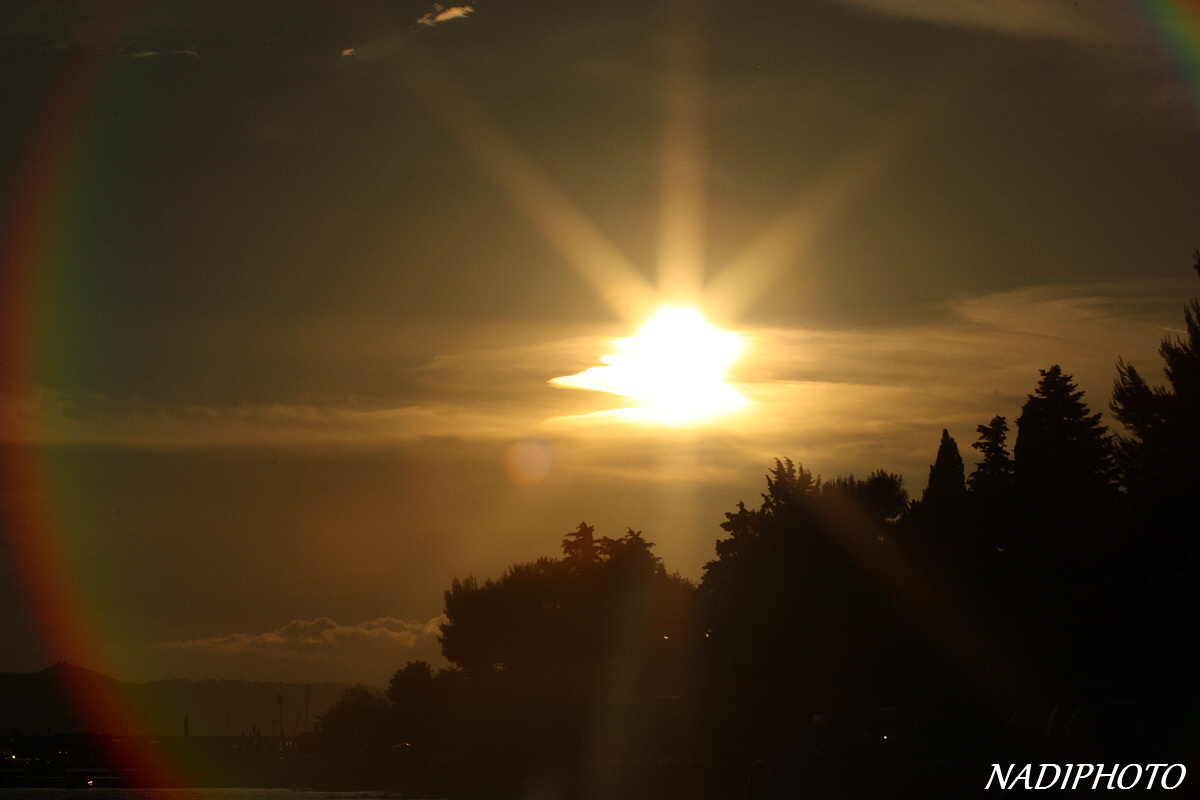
x,y
1121,777
1167,771
996,774
1071,776
1042,774
1100,773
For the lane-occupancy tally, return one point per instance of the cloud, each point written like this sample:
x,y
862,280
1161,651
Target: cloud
x,y
152,54
320,639
1096,21
482,394
851,399
305,650
46,417
438,14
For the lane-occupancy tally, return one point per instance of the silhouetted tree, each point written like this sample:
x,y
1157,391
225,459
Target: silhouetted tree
x,y
947,483
538,644
1065,534
991,493
550,614
631,549
411,681
939,529
753,532
1064,470
1159,456
360,722
411,694
580,547
790,605
1159,460
521,619
881,498
993,475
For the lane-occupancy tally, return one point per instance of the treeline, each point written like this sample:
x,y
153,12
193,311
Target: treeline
x,y
846,636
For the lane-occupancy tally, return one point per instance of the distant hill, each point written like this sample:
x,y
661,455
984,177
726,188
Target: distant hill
x,y
41,702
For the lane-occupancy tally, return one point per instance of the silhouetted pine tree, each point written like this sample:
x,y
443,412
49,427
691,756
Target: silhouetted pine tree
x,y
991,490
994,474
1159,457
1063,456
1066,529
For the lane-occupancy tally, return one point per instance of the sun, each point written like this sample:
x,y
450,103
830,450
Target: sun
x,y
676,367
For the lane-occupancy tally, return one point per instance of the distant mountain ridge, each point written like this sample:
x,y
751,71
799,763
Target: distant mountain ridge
x,y
43,702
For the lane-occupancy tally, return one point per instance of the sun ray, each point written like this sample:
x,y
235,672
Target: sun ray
x,y
551,210
681,212
793,232
649,367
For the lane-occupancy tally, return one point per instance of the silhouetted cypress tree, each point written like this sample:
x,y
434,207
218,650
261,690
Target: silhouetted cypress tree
x,y
938,528
946,475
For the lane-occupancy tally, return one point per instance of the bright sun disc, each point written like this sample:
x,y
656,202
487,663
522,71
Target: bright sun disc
x,y
675,367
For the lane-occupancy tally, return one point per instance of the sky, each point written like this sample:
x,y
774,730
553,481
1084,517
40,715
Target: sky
x,y
309,269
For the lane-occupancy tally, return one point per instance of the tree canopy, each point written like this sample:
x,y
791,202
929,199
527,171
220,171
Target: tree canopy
x,y
1159,454
553,616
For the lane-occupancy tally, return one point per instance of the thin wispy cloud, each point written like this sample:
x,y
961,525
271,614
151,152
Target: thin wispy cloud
x,y
319,638
315,649
1096,21
53,418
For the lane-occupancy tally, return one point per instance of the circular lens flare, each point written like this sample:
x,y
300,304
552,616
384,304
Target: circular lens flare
x,y
676,367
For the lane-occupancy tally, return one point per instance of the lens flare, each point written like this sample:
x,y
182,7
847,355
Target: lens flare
x,y
676,367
